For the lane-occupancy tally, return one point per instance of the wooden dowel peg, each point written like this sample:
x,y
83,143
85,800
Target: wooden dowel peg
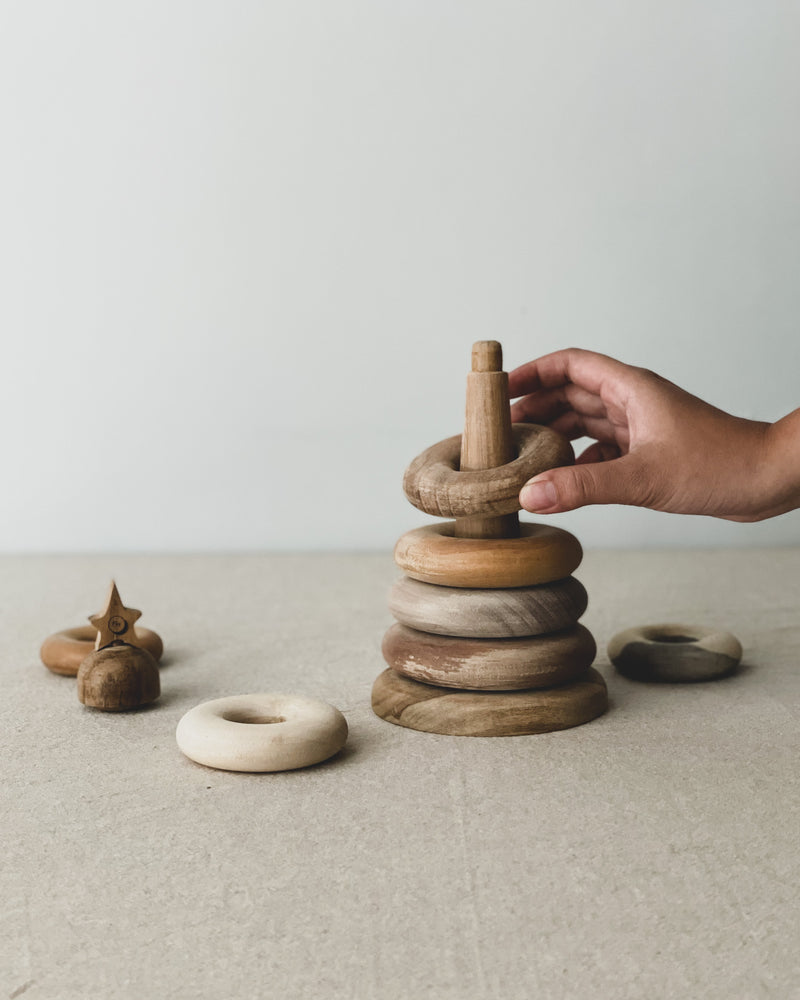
x,y
487,441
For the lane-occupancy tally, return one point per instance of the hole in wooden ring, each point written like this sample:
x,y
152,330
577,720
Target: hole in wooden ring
x,y
252,718
664,637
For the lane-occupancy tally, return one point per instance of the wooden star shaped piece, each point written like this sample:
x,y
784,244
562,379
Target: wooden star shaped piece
x,y
115,624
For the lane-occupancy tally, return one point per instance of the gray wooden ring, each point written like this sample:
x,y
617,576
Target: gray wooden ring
x,y
434,484
261,732
489,664
674,653
539,554
64,651
486,614
431,709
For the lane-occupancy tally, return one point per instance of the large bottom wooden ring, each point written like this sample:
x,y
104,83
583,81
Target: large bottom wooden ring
x,y
540,554
674,653
64,651
262,732
434,484
429,709
486,614
489,664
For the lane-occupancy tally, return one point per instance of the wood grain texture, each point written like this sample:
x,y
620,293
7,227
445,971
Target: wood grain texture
x,y
485,614
487,441
64,651
541,553
674,654
434,484
405,702
489,664
118,678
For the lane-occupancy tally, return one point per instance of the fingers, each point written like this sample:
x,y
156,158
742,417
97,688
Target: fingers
x,y
573,425
600,451
591,371
544,406
619,481
573,412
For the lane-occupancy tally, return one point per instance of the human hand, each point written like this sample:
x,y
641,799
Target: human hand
x,y
655,445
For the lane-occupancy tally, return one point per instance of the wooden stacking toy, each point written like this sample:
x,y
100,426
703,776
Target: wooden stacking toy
x,y
120,674
487,640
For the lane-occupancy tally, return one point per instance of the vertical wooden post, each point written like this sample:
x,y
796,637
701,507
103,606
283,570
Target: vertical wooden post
x,y
487,441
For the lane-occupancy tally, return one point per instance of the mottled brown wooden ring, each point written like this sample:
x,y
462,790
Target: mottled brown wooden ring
x,y
430,709
489,664
487,614
434,484
539,554
64,651
674,653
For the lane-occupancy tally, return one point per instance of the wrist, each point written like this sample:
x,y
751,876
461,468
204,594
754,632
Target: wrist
x,y
781,466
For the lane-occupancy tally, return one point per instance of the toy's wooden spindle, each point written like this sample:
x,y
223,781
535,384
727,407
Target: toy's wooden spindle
x,y
487,441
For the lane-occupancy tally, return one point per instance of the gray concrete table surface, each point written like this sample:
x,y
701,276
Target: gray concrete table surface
x,y
652,853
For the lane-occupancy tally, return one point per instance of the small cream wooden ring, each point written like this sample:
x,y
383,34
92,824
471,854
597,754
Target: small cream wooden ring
x,y
64,651
540,554
262,732
434,484
674,653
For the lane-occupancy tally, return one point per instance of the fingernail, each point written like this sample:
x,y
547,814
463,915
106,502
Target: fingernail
x,y
538,496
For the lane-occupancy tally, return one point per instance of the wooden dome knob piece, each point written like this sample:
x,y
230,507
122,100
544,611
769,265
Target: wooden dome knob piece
x,y
119,675
487,441
118,678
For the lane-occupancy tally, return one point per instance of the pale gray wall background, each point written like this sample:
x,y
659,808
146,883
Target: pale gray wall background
x,y
246,246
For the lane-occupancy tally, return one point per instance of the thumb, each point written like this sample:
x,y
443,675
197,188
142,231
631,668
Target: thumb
x,y
621,480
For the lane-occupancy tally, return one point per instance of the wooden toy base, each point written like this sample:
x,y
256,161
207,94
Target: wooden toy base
x,y
429,709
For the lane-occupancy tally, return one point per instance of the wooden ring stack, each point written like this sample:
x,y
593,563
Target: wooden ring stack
x,y
487,640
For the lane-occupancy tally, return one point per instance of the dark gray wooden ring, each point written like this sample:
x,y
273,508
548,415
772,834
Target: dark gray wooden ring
x,y
674,653
487,614
434,484
489,664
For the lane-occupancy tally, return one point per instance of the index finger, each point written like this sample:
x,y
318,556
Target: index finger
x,y
586,369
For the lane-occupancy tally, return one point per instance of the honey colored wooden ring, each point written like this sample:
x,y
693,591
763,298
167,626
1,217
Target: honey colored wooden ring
x,y
674,653
64,651
489,664
262,732
540,554
486,614
430,709
434,484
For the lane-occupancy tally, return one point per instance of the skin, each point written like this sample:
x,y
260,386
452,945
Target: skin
x,y
655,445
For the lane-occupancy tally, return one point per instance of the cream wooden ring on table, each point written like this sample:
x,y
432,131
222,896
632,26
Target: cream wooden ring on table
x,y
485,614
430,709
489,664
434,484
64,651
674,653
262,732
540,554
